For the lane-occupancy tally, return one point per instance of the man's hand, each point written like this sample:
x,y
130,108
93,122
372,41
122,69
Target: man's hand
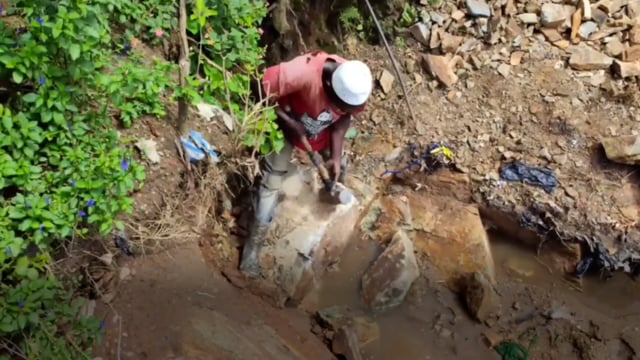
x,y
334,169
293,124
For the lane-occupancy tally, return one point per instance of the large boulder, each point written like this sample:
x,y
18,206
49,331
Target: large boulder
x,y
306,237
445,226
387,281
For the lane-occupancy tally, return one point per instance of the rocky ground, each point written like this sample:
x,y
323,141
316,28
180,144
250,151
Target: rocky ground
x,y
544,83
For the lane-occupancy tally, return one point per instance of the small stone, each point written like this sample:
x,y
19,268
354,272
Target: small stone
x,y
478,8
612,6
421,33
516,306
386,81
588,28
387,281
410,65
599,16
631,54
634,35
457,15
552,35
535,108
148,148
585,58
516,58
394,154
481,299
528,18
623,149
125,272
439,68
598,78
553,15
544,153
107,258
614,47
504,70
437,18
417,78
492,339
626,69
450,43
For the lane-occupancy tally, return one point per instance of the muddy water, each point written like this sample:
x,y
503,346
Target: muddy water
x,y
432,323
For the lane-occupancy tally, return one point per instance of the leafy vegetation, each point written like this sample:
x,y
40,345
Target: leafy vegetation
x,y
67,78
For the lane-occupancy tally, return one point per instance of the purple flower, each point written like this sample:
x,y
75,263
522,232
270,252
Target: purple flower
x,y
21,304
21,30
40,20
1,11
42,80
27,205
125,164
47,201
8,252
82,214
73,183
41,227
91,203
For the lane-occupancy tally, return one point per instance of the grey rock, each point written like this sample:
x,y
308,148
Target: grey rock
x,y
478,8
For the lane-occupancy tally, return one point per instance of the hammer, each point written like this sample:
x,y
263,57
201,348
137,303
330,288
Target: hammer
x,y
338,194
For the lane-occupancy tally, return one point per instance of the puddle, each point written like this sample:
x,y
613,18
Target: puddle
x,y
432,324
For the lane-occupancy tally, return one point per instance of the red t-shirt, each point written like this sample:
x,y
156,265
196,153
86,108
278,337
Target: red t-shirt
x,y
297,84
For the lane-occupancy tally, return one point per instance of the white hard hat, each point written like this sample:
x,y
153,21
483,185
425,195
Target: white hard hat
x,y
352,82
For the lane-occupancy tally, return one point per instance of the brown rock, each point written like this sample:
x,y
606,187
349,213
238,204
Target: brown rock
x,y
387,281
451,43
552,35
336,317
599,16
633,9
612,6
345,342
386,80
434,40
480,297
634,35
561,256
438,67
585,58
631,54
614,47
516,58
623,149
576,21
421,33
555,15
504,70
492,339
626,69
603,33
457,15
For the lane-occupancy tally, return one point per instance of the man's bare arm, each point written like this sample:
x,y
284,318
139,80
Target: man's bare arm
x,y
338,131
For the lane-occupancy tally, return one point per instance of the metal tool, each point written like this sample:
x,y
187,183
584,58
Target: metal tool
x,y
334,193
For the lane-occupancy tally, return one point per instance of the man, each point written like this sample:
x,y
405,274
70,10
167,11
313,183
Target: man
x,y
316,96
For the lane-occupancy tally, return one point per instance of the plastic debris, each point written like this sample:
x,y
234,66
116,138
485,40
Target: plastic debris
x,y
197,148
209,111
434,157
583,266
204,145
351,133
519,171
122,242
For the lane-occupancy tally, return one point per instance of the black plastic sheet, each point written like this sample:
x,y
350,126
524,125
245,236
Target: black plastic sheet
x,y
519,171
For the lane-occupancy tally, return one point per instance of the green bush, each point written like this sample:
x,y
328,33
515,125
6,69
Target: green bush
x,y
64,171
229,55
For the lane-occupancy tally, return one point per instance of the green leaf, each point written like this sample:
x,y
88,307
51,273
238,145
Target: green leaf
x,y
74,51
7,122
17,77
30,97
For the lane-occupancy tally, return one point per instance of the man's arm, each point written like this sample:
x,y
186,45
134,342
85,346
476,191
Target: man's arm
x,y
338,131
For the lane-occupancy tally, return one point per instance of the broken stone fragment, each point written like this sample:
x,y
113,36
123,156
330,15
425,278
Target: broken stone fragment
x,y
387,281
345,342
626,69
386,80
480,297
438,66
421,33
585,58
633,9
634,35
528,18
365,328
504,70
612,6
631,54
599,16
451,43
623,149
478,8
553,15
614,47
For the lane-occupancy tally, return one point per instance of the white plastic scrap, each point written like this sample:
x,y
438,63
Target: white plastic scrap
x,y
208,112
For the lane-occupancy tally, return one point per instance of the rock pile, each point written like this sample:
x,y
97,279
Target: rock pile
x,y
599,36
